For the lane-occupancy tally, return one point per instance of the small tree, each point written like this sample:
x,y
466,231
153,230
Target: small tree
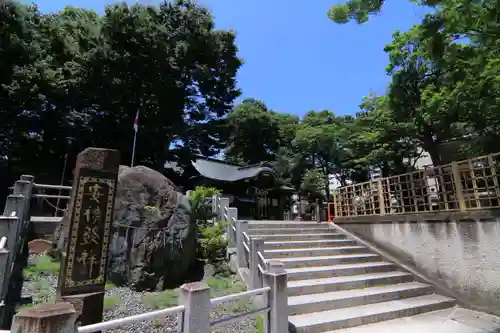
x,y
212,245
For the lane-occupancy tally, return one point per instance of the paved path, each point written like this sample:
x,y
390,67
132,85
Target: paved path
x,y
454,320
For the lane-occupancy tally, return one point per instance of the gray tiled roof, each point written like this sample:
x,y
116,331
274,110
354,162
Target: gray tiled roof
x,y
227,172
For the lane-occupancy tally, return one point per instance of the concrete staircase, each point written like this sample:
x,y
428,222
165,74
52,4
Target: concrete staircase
x,y
335,283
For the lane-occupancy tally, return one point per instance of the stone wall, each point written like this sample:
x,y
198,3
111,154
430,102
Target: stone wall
x,y
460,253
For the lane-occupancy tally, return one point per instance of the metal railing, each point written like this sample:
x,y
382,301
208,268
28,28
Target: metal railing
x,y
459,186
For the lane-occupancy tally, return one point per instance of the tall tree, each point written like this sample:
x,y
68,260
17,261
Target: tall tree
x,y
75,74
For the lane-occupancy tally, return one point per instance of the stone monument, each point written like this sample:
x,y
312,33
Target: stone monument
x,y
84,262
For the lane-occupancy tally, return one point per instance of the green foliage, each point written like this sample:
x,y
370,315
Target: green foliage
x,y
212,245
161,300
222,286
42,265
360,10
79,74
219,286
259,324
314,183
111,302
197,196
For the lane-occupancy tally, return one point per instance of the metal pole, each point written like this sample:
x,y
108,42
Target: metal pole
x,y
133,149
62,182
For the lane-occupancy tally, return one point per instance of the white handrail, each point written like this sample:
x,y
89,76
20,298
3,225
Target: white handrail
x,y
122,321
232,297
3,242
246,247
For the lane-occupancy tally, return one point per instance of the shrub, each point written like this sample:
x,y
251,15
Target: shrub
x,y
212,243
201,212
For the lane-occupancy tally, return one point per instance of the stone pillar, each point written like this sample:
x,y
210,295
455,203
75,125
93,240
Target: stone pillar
x,y
197,308
256,245
45,318
215,207
232,218
241,227
275,277
224,203
84,263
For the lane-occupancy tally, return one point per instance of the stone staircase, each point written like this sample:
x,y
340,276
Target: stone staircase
x,y
335,283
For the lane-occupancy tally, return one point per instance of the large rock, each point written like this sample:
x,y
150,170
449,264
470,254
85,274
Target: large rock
x,y
153,245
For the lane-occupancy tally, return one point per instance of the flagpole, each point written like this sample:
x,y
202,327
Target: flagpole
x,y
133,149
136,129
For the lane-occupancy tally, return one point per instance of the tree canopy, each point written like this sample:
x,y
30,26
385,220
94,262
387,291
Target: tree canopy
x,y
74,78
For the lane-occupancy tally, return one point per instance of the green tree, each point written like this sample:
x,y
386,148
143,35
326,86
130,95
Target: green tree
x,y
256,133
77,74
360,10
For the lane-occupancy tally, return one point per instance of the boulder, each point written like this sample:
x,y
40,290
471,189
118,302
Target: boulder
x,y
153,244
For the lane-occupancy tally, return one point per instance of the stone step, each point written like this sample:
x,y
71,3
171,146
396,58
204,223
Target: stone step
x,y
314,286
312,251
348,298
287,231
304,244
299,236
304,273
323,321
253,225
318,261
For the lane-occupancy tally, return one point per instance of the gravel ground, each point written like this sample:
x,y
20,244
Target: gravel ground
x,y
130,303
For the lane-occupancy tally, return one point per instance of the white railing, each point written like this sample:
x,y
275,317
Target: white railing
x,y
189,310
268,280
195,310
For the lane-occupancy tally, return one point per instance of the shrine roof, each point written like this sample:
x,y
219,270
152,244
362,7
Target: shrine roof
x,y
229,172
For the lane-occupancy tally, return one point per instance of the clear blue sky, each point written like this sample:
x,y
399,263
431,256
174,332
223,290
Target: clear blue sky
x,y
296,59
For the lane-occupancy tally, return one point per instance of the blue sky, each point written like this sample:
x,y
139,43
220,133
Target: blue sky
x,y
296,59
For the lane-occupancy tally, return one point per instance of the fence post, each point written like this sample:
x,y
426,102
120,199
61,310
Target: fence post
x,y
275,277
46,318
195,297
215,207
232,217
256,245
224,202
457,180
381,196
241,227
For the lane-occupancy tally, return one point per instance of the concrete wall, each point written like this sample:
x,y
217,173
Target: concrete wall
x,y
461,256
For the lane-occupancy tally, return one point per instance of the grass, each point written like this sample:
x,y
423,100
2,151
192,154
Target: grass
x,y
219,286
110,302
222,286
259,324
43,265
161,300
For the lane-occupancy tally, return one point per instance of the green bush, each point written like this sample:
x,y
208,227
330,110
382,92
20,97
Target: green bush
x,y
212,245
196,198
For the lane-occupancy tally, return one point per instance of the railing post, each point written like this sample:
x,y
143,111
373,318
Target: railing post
x,y
381,200
232,218
46,318
241,227
224,202
275,277
256,245
197,308
215,207
457,180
